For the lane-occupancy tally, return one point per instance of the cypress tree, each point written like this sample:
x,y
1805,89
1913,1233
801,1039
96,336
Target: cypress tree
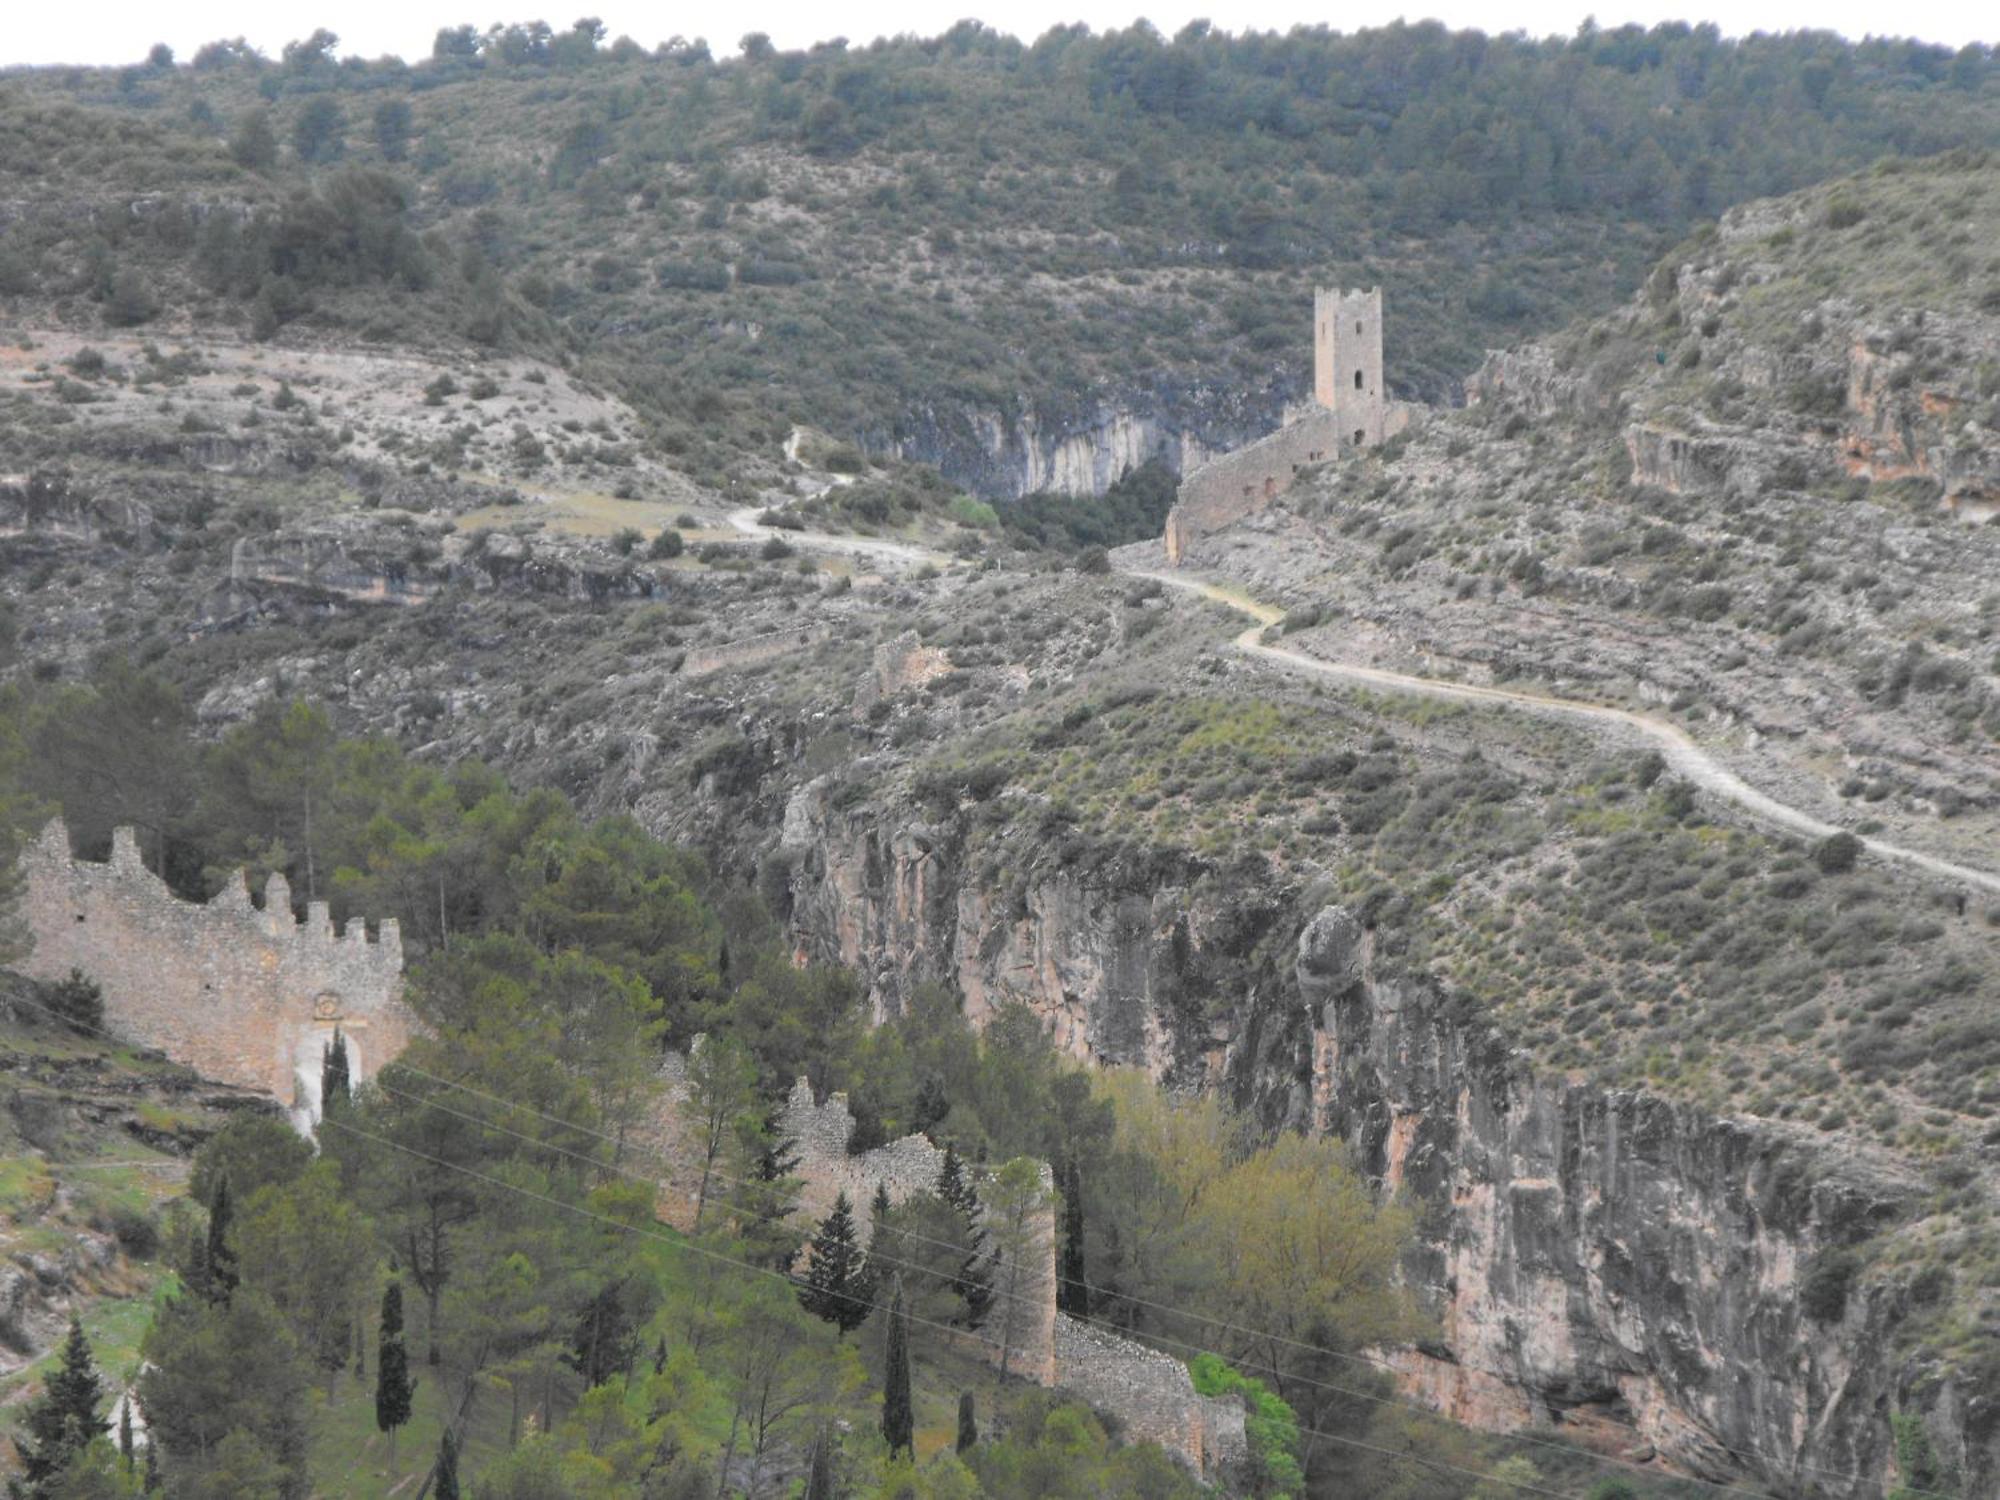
x,y
952,1186
898,1419
195,1278
151,1483
878,1209
393,1386
125,1450
1072,1290
335,1085
839,1286
819,1474
221,1260
968,1428
446,1487
64,1418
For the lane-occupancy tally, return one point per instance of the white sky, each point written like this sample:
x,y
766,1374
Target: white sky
x,y
116,31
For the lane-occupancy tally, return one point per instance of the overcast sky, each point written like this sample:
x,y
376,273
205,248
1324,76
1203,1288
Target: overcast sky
x,y
115,31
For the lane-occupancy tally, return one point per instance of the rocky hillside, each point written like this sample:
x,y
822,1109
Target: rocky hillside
x,y
95,1141
1699,1120
1027,266
1752,500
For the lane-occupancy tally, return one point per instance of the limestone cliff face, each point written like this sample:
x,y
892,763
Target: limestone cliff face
x,y
1608,1260
1077,448
1609,1263
1115,969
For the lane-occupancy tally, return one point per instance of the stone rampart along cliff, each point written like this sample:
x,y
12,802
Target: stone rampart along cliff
x,y
1238,485
1605,1260
1151,1394
242,995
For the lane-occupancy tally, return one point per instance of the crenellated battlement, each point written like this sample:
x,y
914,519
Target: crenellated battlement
x,y
243,994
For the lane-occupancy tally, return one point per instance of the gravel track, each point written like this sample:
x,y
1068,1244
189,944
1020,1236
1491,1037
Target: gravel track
x,y
1687,758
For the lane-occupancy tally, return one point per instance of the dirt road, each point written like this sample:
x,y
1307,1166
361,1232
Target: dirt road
x,y
1682,754
901,554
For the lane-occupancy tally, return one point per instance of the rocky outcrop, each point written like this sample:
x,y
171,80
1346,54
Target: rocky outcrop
x,y
1608,1263
1115,967
1080,448
1606,1260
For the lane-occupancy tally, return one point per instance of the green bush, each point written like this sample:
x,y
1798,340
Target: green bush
x,y
79,1000
1824,1288
1837,853
1271,1425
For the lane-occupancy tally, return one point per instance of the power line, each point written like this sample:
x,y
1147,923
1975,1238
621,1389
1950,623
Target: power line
x,y
1213,1322
682,1243
1247,1364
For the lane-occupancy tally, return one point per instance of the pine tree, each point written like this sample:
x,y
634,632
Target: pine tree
x,y
878,1209
952,1186
1072,1289
973,1281
898,1419
335,1086
446,1486
768,1202
221,1259
64,1418
968,1428
393,1386
819,1473
839,1286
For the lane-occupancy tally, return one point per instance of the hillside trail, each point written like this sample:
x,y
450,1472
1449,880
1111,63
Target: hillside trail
x,y
1681,753
903,554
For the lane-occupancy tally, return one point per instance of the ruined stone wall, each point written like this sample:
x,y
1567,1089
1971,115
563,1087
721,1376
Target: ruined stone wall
x,y
1240,484
1149,1394
1152,1396
751,651
1351,410
241,995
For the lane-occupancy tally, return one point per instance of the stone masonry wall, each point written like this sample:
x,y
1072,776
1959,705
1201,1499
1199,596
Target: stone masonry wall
x,y
241,995
1242,483
1149,1393
1351,410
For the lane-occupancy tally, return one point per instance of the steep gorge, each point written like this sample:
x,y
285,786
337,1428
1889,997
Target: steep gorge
x,y
1604,1264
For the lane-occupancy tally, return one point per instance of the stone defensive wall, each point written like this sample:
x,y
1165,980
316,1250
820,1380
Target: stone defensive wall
x,y
1242,483
1150,1394
240,994
1238,485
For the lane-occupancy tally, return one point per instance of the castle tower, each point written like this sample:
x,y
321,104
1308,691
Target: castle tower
x,y
1347,364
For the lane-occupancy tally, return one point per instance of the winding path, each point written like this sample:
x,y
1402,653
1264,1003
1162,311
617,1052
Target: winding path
x,y
902,553
1681,753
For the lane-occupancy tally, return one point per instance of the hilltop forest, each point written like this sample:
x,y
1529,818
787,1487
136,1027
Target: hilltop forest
x,y
896,242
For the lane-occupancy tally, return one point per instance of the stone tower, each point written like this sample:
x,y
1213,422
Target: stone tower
x,y
1347,364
